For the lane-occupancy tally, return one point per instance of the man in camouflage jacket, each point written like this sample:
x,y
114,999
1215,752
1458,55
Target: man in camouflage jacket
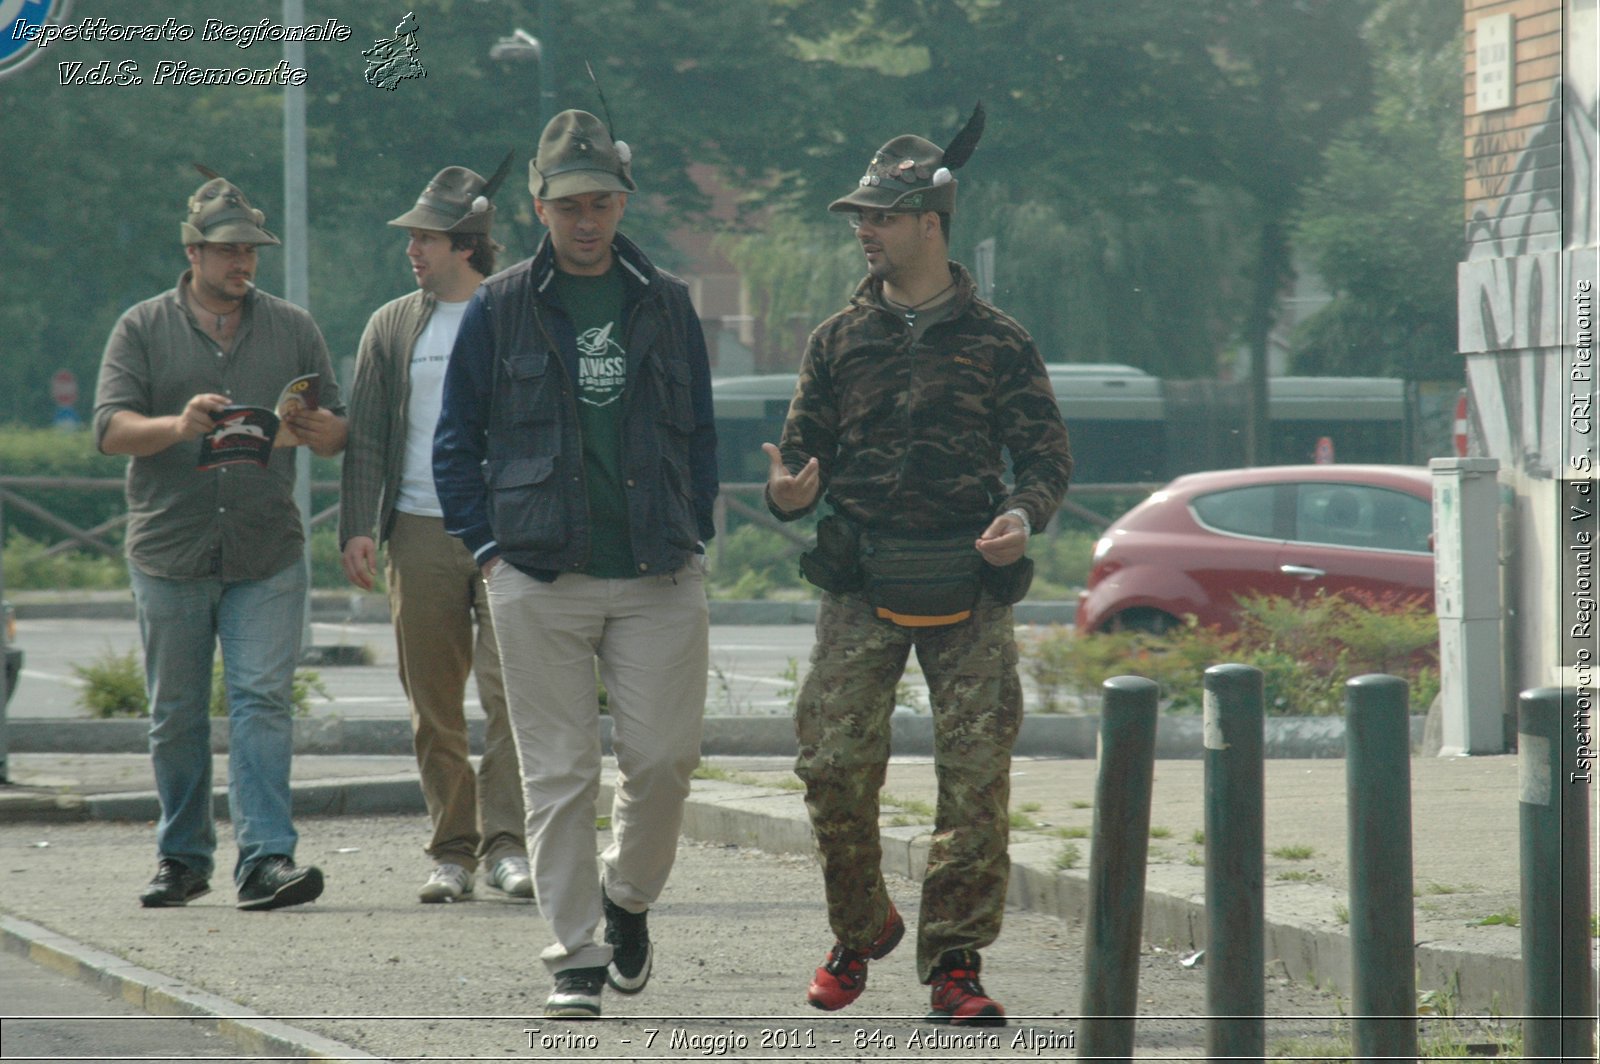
x,y
906,404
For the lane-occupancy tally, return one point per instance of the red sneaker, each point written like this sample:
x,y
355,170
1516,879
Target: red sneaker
x,y
843,977
958,997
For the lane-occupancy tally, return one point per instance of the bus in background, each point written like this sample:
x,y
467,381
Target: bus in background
x,y
1129,427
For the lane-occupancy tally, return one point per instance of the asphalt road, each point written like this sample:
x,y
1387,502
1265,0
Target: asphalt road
x,y
737,935
747,674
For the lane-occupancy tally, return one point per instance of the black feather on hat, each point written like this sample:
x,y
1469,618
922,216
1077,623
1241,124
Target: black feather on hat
x,y
911,173
960,149
457,200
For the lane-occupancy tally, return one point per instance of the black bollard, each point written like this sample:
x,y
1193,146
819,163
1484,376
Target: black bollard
x,y
1558,984
1120,843
1377,763
1236,989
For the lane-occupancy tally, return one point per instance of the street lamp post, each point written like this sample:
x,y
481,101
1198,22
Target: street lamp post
x,y
520,46
296,260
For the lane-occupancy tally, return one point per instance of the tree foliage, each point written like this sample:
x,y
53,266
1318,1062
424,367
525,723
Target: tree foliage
x,y
1140,168
1384,222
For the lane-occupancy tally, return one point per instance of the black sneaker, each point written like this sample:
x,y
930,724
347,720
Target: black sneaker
x,y
276,882
577,994
174,884
631,955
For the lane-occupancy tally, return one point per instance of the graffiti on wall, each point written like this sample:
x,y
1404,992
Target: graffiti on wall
x,y
1512,298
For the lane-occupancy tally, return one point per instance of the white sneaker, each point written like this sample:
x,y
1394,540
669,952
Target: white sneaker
x,y
577,994
511,876
449,882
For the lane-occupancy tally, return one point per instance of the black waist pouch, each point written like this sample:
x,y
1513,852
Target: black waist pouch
x,y
921,583
1007,584
834,563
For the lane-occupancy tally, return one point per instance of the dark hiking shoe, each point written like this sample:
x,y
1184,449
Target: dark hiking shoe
x,y
276,882
173,885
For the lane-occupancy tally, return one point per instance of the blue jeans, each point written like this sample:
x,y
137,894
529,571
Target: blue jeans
x,y
259,624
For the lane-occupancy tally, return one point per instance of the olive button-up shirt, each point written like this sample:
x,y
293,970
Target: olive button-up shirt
x,y
236,522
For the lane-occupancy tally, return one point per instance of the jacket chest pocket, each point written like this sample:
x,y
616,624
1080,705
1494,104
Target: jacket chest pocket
x,y
531,399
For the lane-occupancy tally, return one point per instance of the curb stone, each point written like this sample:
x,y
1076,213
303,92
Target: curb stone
x,y
162,995
1042,735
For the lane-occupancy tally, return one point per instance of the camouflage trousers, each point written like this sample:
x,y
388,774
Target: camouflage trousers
x,y
842,723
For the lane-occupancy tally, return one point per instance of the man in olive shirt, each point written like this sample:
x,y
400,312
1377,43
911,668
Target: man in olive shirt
x,y
216,555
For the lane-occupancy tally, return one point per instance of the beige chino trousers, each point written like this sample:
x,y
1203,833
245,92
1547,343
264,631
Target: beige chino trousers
x,y
649,635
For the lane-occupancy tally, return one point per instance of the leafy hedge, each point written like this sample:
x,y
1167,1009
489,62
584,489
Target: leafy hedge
x,y
51,453
1306,649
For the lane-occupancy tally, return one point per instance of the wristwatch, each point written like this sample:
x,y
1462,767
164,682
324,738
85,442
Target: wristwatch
x,y
1021,515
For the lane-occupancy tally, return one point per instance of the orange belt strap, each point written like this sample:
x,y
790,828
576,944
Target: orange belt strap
x,y
912,620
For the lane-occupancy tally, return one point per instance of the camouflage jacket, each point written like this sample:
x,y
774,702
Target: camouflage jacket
x,y
911,435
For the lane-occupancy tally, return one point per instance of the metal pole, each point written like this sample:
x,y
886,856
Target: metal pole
x,y
1236,988
296,277
547,62
1558,984
5,713
1120,842
1378,783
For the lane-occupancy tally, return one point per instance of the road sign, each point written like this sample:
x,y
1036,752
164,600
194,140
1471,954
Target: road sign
x,y
64,387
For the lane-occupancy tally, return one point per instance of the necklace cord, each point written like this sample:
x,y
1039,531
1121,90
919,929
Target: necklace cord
x,y
909,311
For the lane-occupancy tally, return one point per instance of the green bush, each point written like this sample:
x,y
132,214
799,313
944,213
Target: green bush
x,y
113,686
52,453
27,567
327,563
756,562
1061,563
1059,661
306,683
1305,648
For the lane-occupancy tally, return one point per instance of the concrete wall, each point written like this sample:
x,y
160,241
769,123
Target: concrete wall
x,y
1531,245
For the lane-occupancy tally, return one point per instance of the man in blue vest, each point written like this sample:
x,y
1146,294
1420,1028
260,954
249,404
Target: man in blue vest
x,y
575,457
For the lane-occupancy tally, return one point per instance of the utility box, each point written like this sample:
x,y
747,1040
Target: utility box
x,y
1466,578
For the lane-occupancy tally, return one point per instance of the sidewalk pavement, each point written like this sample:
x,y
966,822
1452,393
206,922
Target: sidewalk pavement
x,y
1464,830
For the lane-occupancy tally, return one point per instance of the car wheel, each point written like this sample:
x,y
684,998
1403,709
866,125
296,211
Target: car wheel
x,y
1143,619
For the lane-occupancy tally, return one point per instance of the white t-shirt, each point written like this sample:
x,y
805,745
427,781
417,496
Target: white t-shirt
x,y
428,361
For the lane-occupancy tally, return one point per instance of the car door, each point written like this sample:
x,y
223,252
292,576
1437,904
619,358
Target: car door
x,y
1358,538
1240,555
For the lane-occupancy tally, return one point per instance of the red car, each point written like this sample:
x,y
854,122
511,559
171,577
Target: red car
x,y
1206,538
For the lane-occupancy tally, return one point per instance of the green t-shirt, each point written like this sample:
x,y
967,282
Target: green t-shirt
x,y
595,306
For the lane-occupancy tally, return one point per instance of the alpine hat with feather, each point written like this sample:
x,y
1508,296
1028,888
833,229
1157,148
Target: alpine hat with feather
x,y
577,154
912,174
456,201
219,213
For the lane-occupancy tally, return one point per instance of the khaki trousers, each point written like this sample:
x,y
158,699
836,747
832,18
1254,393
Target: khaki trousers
x,y
435,595
649,636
